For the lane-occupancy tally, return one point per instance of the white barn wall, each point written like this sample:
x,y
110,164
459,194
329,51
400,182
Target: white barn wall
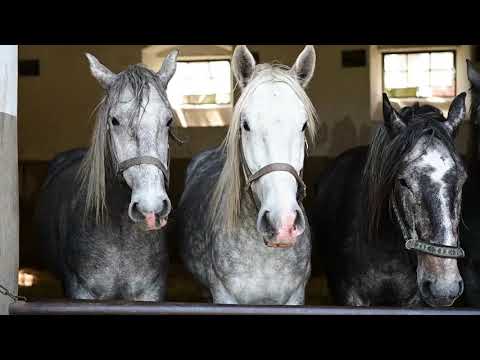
x,y
9,218
56,106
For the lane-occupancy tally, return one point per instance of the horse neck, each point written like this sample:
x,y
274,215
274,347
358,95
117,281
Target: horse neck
x,y
389,236
475,149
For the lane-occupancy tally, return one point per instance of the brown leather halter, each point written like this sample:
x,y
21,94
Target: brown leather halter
x,y
150,160
250,177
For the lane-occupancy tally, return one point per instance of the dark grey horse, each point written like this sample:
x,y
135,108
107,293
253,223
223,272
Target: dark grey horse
x,y
403,191
101,211
248,242
470,229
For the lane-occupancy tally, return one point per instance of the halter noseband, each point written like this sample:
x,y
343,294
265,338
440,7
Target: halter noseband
x,y
150,160
412,242
252,177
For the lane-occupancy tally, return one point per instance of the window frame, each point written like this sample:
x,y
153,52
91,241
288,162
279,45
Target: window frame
x,y
208,60
409,52
462,53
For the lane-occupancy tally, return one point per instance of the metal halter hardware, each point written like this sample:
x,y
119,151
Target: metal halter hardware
x,y
252,177
412,242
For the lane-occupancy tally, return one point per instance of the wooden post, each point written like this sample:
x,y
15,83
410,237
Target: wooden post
x,y
9,219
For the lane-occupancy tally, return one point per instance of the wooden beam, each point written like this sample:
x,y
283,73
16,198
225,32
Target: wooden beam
x,y
65,307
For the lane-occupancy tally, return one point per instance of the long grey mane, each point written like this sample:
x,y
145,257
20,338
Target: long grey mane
x,y
100,164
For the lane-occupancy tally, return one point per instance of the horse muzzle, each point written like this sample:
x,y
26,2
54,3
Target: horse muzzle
x,y
152,220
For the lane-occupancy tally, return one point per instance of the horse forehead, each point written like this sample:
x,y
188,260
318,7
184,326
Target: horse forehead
x,y
275,98
150,99
438,160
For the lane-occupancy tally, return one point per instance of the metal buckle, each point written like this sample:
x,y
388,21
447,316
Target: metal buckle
x,y
410,244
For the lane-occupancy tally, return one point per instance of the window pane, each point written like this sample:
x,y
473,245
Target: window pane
x,y
418,78
442,61
424,74
395,80
197,83
395,62
418,62
442,78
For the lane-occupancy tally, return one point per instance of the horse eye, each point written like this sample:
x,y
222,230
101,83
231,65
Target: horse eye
x,y
304,127
404,183
245,126
169,122
115,122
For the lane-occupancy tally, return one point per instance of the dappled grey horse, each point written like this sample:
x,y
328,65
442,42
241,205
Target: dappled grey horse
x,y
243,231
102,211
386,216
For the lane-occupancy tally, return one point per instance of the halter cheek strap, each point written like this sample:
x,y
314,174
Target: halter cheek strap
x,y
412,242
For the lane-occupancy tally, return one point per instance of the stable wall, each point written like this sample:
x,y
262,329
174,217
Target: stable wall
x,y
55,113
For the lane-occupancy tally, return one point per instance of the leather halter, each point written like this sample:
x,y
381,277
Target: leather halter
x,y
412,242
250,177
150,160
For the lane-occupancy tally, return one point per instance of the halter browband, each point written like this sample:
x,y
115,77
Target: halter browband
x,y
251,178
412,242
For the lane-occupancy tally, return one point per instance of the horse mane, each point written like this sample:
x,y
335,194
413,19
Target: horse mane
x,y
99,164
386,157
475,117
226,195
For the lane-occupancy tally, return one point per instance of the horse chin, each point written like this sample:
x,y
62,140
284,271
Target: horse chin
x,y
283,244
154,225
443,302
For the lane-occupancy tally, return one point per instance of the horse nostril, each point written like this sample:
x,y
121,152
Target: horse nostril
x,y
134,213
264,226
460,287
166,208
426,287
299,224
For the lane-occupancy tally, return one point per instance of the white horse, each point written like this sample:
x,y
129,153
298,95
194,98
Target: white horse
x,y
244,233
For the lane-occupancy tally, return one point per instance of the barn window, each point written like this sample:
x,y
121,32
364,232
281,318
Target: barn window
x,y
419,74
201,83
428,74
201,93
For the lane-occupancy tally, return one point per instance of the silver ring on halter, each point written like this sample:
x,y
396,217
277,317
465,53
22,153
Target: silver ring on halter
x,y
412,242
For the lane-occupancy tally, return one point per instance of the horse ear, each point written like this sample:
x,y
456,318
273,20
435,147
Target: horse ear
x,y
391,117
243,65
168,68
100,72
473,75
456,113
304,66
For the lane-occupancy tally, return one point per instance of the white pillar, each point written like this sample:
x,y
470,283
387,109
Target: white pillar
x,y
8,173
